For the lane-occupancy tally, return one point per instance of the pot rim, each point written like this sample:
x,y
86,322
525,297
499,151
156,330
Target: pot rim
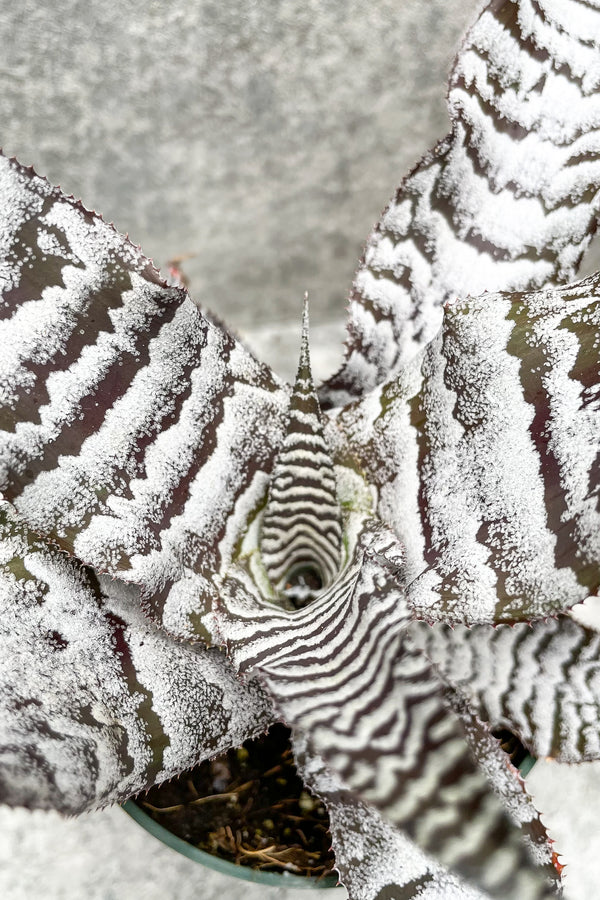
x,y
245,873
224,866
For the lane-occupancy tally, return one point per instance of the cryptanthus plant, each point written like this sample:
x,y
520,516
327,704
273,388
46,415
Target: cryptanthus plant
x,y
191,550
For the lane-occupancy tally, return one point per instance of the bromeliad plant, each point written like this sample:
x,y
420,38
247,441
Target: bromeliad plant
x,y
192,551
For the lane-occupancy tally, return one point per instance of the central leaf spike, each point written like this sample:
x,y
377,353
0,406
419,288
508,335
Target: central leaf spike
x,y
301,535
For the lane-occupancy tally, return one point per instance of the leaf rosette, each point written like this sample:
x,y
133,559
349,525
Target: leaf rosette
x,y
349,554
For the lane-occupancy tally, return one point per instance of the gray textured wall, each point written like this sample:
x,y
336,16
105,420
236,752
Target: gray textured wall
x,y
264,137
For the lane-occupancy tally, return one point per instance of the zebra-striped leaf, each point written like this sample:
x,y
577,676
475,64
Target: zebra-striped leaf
x,y
131,424
377,861
541,683
485,454
508,201
341,673
95,702
301,530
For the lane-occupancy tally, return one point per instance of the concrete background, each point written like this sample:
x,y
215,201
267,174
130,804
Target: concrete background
x,y
264,137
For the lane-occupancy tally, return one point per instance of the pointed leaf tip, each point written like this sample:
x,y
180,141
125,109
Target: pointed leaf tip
x,y
301,535
304,367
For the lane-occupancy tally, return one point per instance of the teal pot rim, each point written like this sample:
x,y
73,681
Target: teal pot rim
x,y
245,873
223,866
527,765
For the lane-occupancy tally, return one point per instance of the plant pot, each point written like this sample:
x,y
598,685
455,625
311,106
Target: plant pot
x,y
275,879
511,745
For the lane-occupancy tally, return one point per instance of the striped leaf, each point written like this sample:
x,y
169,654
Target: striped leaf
x,y
377,861
96,703
484,451
508,201
301,529
373,707
541,683
131,425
